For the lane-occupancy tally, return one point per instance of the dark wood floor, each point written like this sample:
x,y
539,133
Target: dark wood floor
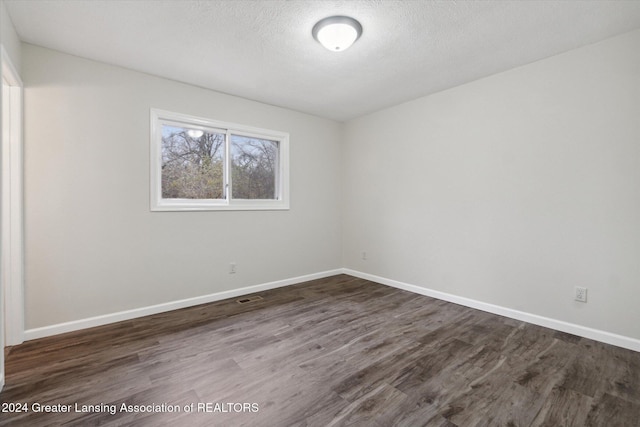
x,y
332,352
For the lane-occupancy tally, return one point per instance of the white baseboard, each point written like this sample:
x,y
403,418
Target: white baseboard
x,y
60,328
559,325
583,331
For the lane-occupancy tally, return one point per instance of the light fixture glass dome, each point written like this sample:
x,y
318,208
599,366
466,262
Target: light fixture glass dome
x,y
337,33
194,133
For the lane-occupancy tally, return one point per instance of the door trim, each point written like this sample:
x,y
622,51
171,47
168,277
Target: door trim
x,y
12,236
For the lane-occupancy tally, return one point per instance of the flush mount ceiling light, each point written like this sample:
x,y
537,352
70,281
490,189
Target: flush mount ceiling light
x,y
194,133
337,33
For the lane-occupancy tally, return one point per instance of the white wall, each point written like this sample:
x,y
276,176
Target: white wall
x,y
92,245
510,190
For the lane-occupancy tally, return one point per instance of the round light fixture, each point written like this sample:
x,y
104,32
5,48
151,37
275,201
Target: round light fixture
x,y
194,133
337,33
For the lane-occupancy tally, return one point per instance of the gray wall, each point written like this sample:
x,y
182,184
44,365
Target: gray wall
x,y
92,245
510,190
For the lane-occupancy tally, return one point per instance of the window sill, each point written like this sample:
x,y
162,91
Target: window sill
x,y
236,206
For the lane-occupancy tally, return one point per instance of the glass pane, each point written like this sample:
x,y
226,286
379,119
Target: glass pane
x,y
192,163
254,163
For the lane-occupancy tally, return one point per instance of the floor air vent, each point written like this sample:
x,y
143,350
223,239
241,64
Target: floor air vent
x,y
249,299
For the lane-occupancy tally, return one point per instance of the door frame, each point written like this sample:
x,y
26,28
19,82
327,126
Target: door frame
x,y
12,224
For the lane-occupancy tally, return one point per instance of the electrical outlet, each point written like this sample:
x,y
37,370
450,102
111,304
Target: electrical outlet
x,y
232,268
364,256
581,294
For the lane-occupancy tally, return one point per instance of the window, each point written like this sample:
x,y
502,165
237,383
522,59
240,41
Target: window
x,y
202,164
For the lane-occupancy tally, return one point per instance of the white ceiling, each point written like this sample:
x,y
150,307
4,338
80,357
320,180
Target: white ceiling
x,y
263,50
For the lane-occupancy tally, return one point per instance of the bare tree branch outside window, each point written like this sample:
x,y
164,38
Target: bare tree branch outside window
x,y
253,167
192,165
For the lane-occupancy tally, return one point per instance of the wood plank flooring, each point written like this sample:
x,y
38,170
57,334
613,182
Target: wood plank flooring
x,y
333,352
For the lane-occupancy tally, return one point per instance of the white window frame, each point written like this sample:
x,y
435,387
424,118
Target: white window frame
x,y
228,203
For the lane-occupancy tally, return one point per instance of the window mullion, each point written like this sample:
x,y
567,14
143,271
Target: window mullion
x,y
227,167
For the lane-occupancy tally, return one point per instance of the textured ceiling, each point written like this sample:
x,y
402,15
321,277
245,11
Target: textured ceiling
x,y
263,50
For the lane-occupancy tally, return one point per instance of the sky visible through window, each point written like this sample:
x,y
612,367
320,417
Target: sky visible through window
x,y
193,165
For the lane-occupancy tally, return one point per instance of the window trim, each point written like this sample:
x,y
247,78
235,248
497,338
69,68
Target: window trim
x,y
157,203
